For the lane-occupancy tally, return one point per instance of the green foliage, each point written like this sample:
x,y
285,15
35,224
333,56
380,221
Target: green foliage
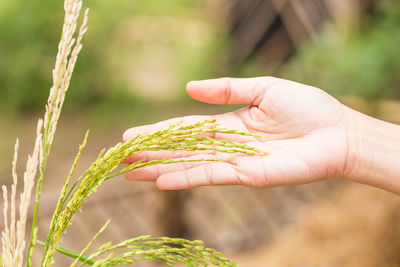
x,y
26,58
30,32
363,62
176,31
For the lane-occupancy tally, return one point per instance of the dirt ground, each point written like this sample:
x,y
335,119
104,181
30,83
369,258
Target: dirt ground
x,y
355,226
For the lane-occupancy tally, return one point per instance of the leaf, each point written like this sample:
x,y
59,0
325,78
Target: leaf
x,y
70,253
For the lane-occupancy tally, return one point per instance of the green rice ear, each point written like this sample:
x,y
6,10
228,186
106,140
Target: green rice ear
x,y
162,249
175,137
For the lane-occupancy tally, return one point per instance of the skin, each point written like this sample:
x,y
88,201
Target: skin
x,y
311,137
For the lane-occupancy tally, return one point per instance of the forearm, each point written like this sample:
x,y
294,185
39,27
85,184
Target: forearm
x,y
376,154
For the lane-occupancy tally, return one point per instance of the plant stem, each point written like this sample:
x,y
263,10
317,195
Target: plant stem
x,y
34,228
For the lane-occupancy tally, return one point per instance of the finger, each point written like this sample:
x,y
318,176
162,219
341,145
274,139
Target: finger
x,y
231,90
228,120
130,133
154,155
216,173
151,173
164,154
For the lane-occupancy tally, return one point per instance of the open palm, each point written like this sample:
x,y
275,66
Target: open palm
x,y
307,133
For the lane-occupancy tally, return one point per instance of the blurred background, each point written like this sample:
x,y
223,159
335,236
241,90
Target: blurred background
x,y
136,60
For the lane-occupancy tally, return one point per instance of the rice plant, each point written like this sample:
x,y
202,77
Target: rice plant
x,y
179,136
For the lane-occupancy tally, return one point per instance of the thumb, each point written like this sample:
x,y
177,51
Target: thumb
x,y
230,90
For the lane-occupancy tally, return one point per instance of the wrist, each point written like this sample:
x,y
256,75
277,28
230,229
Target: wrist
x,y
374,150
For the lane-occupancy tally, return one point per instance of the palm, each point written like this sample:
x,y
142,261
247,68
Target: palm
x,y
306,136
306,132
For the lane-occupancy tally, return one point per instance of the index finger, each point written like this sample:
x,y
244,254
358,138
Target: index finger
x,y
231,90
130,133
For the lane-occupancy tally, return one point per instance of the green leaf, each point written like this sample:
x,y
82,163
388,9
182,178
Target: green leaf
x,y
70,253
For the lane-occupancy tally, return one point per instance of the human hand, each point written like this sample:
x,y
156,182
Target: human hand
x,y
308,137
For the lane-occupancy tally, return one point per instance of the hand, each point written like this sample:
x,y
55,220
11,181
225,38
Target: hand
x,y
307,129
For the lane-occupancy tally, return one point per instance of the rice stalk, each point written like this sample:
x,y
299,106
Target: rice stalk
x,y
81,255
13,235
163,249
68,50
174,137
